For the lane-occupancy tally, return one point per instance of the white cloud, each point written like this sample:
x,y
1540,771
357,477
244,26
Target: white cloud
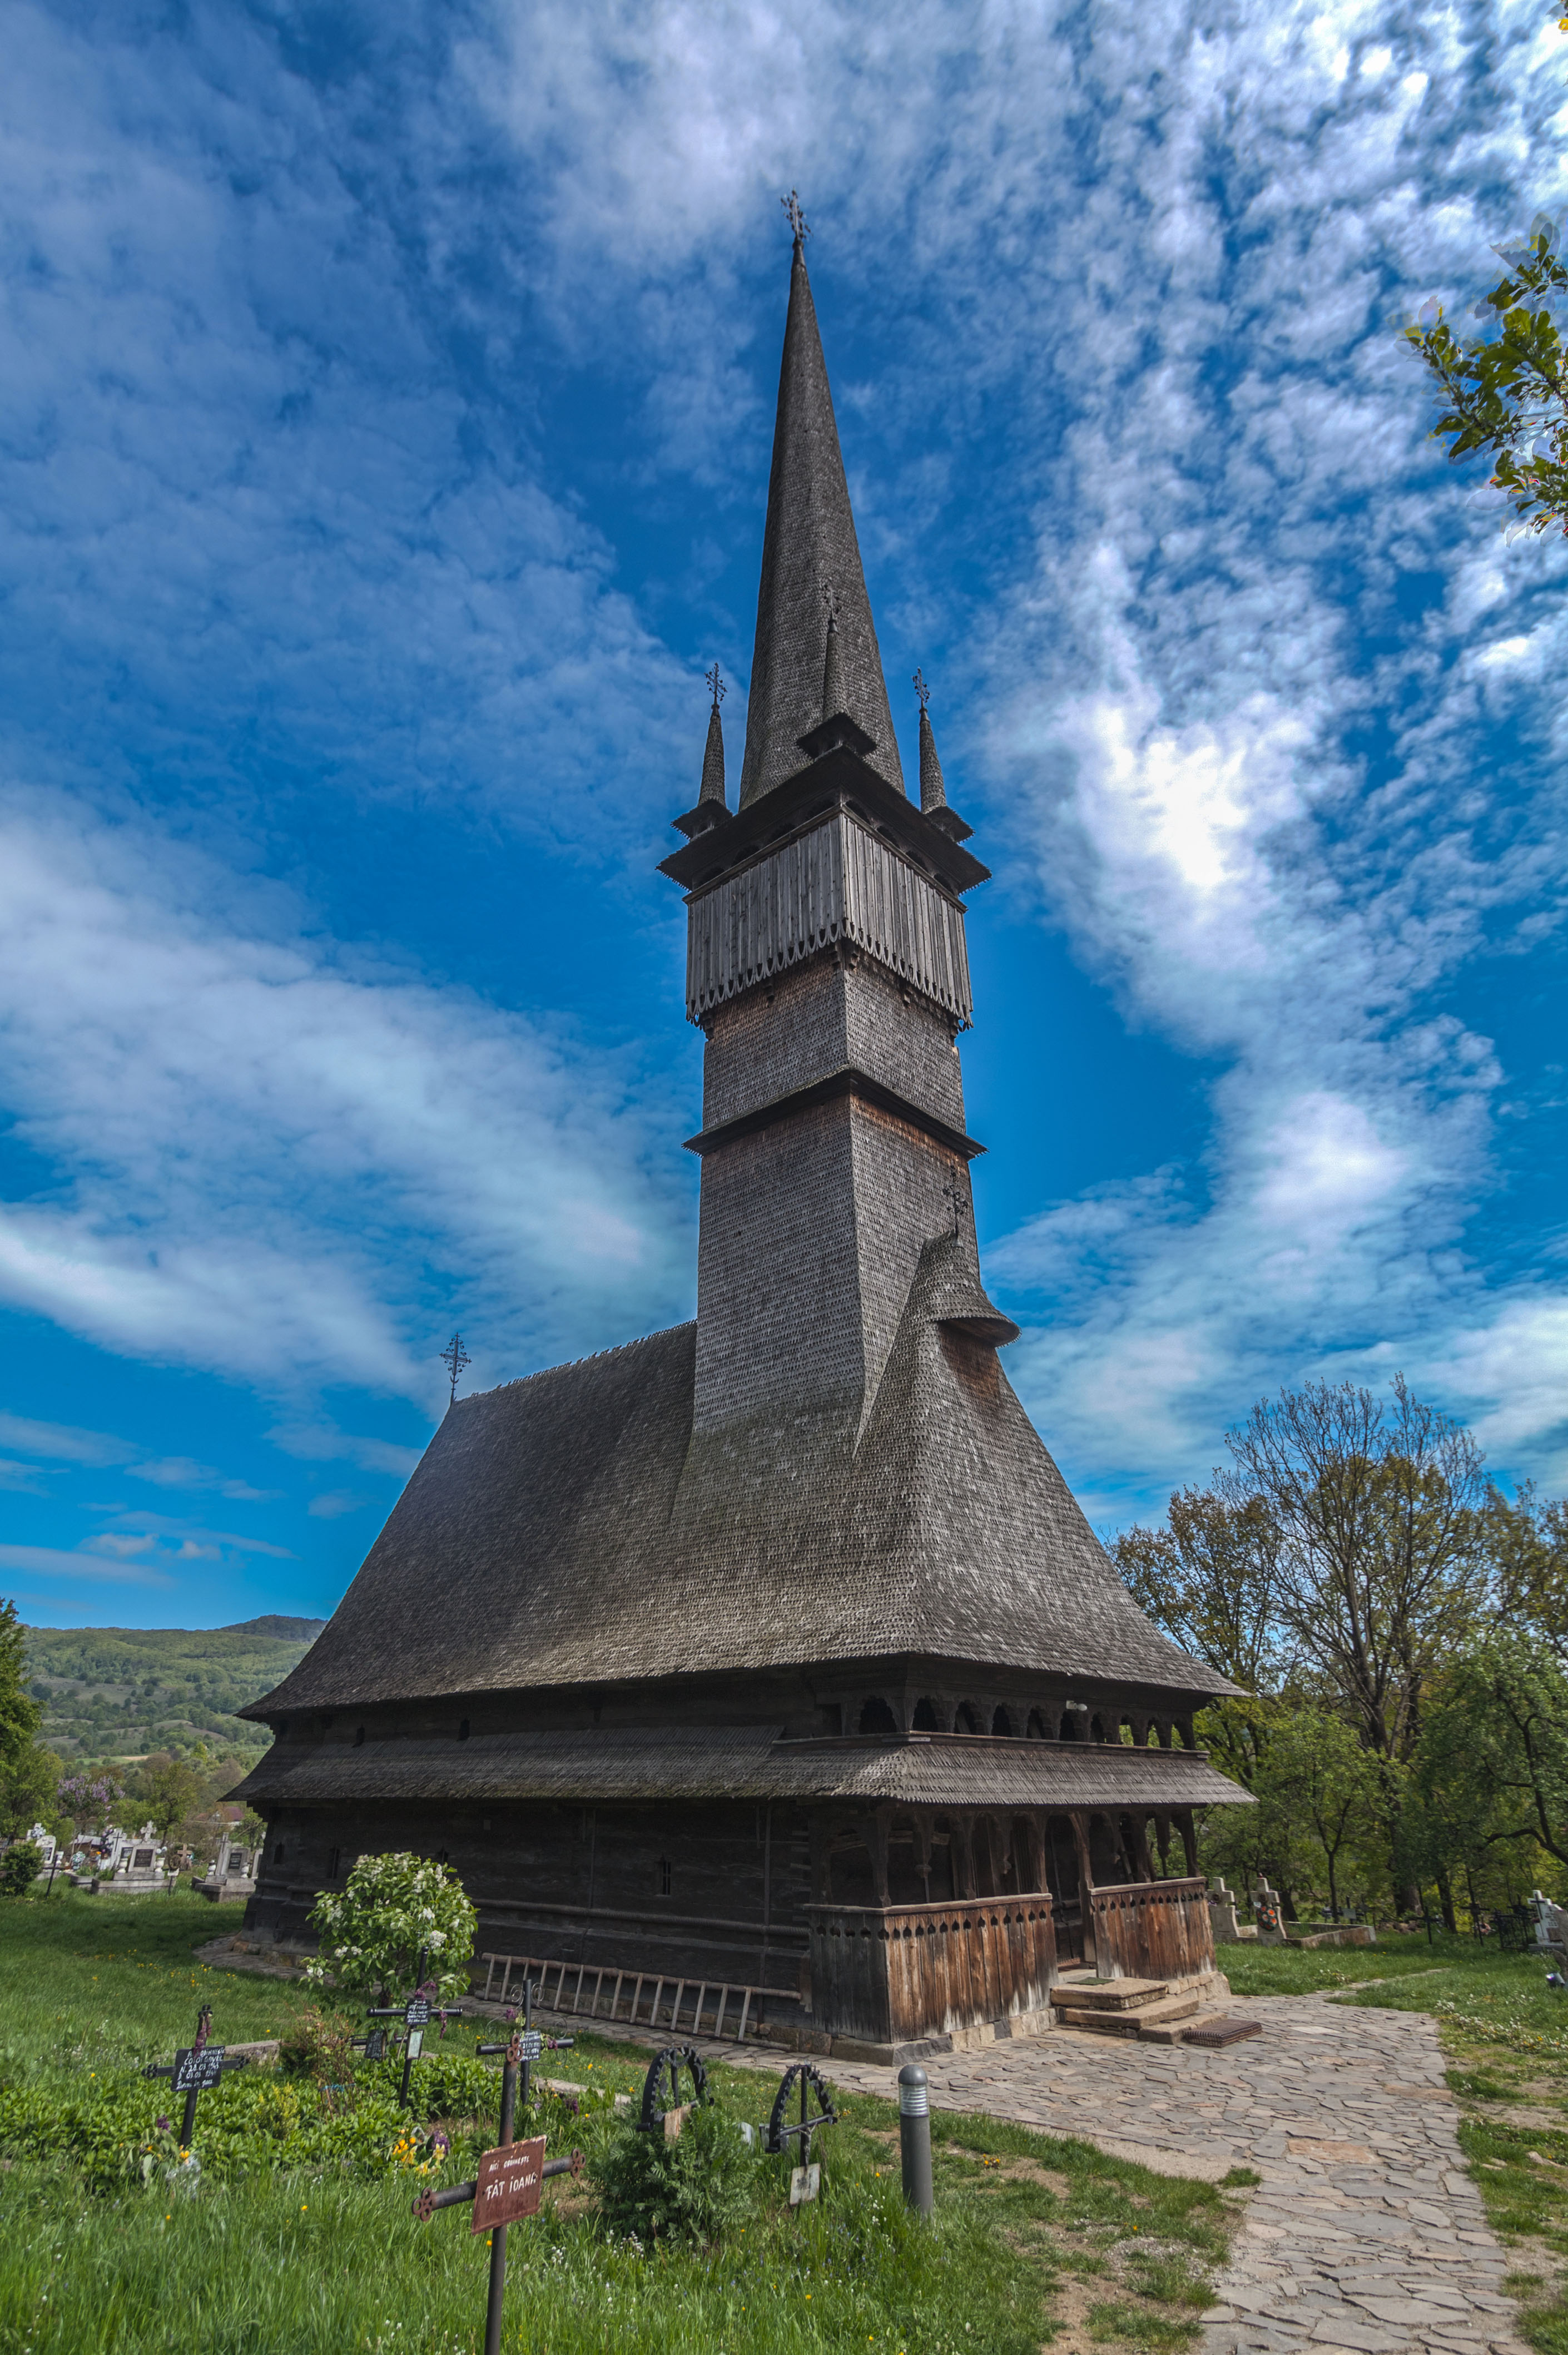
x,y
256,1121
1239,663
53,1561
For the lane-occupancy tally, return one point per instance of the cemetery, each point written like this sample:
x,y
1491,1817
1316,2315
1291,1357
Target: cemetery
x,y
161,2116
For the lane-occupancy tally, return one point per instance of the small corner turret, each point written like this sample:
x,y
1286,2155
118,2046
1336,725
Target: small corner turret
x,y
932,787
711,808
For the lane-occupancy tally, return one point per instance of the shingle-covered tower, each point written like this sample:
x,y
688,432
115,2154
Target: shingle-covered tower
x,y
827,966
771,1654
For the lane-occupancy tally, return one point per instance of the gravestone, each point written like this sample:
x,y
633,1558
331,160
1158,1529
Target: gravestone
x,y
1269,1913
1550,1927
1225,1928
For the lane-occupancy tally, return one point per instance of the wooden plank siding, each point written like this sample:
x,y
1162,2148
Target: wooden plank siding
x,y
890,1975
1152,1930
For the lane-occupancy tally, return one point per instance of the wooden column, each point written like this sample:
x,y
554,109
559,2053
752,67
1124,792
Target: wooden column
x,y
1188,1839
1140,1843
880,1823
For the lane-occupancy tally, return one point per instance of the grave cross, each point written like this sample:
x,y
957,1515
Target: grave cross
x,y
511,2177
196,2069
416,2015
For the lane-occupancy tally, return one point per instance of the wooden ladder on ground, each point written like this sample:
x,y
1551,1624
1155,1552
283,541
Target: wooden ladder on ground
x,y
711,1995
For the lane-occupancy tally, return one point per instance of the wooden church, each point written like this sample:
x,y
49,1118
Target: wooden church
x,y
771,1652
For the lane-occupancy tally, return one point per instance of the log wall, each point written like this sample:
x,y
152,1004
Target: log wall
x,y
1151,1930
893,1974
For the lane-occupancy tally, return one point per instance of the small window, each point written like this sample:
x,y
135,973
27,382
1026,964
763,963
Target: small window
x,y
278,1853
462,1730
359,1737
1002,1723
876,1717
926,1720
333,1857
969,1718
666,1872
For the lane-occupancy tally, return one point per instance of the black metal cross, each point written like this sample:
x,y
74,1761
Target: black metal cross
x,y
797,220
520,2053
416,2014
196,2069
454,1356
922,689
715,686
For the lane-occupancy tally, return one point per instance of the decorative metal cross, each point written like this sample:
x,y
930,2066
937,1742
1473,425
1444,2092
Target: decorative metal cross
x,y
922,689
511,2177
454,1356
797,220
416,2014
196,2069
715,686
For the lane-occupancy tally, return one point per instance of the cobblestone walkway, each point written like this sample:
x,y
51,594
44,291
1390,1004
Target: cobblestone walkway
x,y
1365,2233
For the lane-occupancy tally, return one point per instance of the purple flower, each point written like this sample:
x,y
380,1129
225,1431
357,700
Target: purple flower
x,y
510,2013
440,2140
162,2125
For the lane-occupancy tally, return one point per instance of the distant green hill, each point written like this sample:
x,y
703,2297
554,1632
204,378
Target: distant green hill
x,y
119,1692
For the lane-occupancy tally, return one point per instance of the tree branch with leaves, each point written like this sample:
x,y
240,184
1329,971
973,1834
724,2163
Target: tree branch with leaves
x,y
1504,392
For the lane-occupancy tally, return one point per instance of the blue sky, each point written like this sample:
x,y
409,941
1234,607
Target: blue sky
x,y
384,440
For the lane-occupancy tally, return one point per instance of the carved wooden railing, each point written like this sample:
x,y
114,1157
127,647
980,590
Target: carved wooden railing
x,y
893,1974
1151,1930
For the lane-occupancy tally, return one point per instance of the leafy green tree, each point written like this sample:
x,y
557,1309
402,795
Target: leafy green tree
x,y
392,1910
1504,393
20,1716
1323,1778
29,1785
167,1793
1500,1747
1382,1570
1527,1541
1210,1579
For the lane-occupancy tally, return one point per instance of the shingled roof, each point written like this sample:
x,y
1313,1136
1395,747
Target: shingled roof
x,y
568,1529
741,1763
811,559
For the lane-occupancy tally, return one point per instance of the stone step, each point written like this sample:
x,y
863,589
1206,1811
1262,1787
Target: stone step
x,y
1107,1995
1215,2030
1149,2019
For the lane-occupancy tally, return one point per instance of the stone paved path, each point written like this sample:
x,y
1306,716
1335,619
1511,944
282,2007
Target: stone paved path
x,y
1366,2233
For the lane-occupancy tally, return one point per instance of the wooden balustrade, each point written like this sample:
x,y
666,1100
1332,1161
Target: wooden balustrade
x,y
892,1974
1151,1930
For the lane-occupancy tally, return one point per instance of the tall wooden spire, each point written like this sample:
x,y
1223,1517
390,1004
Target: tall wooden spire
x,y
811,569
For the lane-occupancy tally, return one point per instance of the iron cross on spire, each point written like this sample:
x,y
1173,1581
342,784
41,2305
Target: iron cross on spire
x,y
454,1356
797,220
922,689
715,686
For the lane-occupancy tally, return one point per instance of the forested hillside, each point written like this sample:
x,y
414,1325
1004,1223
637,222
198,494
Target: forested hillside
x,y
120,1692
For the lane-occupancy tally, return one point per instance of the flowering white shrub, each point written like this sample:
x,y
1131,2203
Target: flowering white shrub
x,y
392,1908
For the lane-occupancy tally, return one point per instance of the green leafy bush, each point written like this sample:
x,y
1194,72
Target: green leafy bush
x,y
250,2124
392,1909
20,1867
693,2189
318,2046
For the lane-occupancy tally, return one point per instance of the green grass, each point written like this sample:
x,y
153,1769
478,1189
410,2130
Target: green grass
x,y
1293,1970
1037,2239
